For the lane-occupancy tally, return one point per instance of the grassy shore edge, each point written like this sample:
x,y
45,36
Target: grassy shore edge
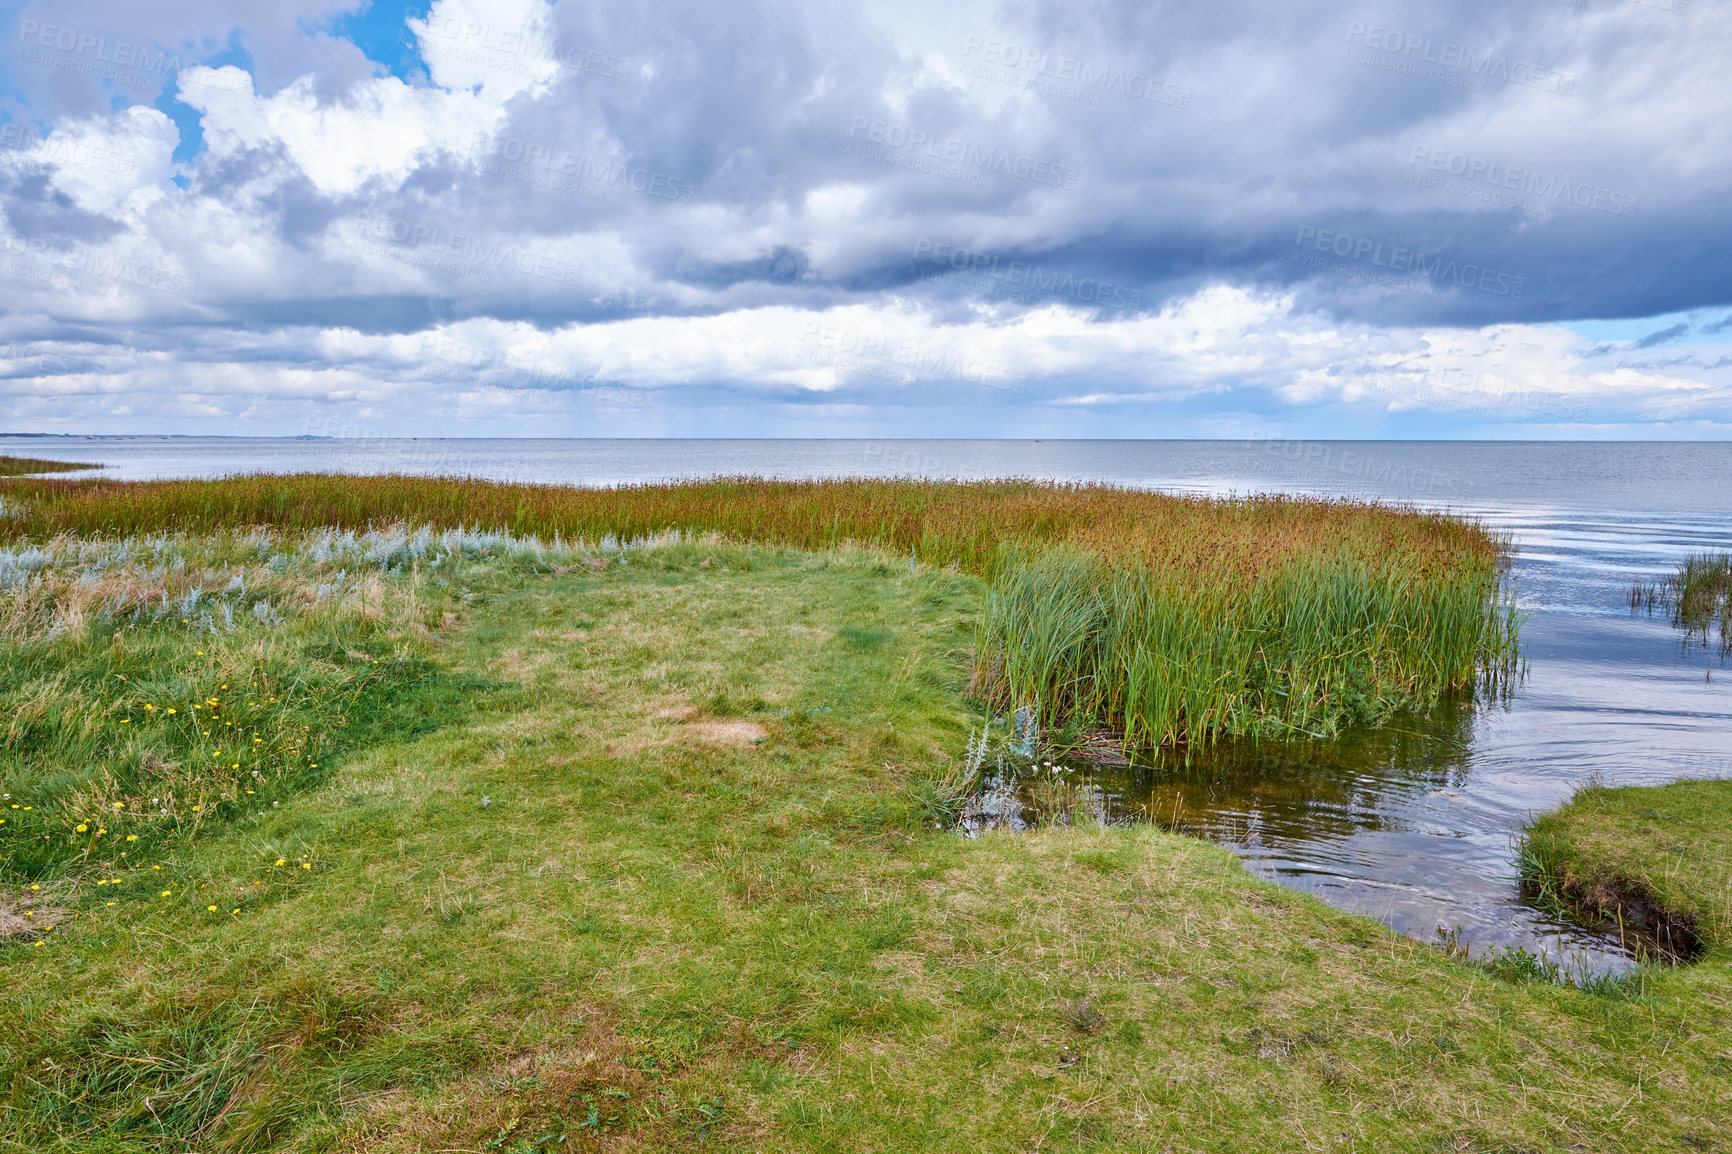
x,y
1656,859
32,466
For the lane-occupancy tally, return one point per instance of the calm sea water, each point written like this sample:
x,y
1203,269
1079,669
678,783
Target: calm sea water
x,y
1413,824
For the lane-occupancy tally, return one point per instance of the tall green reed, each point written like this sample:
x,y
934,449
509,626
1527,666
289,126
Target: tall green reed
x,y
1316,644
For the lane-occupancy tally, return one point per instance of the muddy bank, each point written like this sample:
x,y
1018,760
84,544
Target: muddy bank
x,y
1615,904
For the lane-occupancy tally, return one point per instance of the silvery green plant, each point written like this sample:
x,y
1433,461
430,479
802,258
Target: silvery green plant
x,y
1025,730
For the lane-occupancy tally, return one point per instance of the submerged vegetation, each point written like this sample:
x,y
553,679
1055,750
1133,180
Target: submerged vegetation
x,y
1169,619
1698,596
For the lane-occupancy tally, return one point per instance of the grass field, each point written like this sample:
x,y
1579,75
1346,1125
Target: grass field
x,y
635,849
1168,619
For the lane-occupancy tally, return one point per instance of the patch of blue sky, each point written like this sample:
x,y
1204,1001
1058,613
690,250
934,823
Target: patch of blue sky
x,y
185,117
380,28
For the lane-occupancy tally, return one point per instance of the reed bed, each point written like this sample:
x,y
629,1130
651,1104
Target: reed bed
x,y
1171,619
25,466
1698,596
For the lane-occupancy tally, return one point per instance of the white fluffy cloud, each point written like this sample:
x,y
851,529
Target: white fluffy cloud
x,y
898,360
378,131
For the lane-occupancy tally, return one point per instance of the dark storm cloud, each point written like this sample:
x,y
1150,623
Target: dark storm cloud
x,y
1397,165
1303,124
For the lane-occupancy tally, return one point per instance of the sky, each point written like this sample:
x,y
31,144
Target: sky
x,y
1119,218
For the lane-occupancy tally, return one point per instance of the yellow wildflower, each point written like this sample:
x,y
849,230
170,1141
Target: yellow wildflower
x,y
131,837
82,827
212,909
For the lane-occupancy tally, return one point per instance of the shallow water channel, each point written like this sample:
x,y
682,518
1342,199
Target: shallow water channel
x,y
1415,823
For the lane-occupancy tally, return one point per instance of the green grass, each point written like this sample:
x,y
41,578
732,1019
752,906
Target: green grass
x,y
1168,619
155,689
1655,854
26,466
667,879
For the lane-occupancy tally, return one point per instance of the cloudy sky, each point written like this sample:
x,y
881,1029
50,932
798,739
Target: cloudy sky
x,y
1189,218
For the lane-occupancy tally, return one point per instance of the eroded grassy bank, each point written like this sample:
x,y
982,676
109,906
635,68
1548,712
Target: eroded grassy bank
x,y
1655,858
1169,619
669,884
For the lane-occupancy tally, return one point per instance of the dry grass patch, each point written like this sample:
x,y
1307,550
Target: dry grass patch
x,y
29,911
735,734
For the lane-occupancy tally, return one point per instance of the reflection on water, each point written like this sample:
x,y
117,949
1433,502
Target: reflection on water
x,y
1396,823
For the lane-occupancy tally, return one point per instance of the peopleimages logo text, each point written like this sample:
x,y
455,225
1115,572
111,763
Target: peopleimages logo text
x,y
82,43
1070,70
1424,49
1023,275
1410,260
536,48
538,164
963,153
1523,181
